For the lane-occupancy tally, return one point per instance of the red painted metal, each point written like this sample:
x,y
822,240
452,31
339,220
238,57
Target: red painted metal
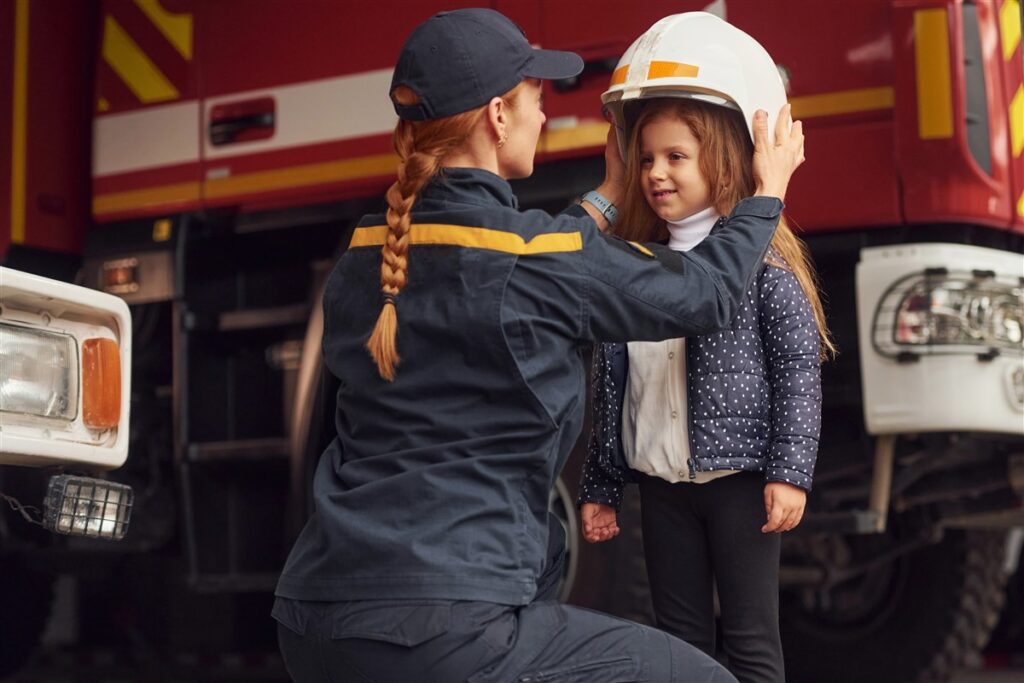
x,y
941,180
59,89
865,168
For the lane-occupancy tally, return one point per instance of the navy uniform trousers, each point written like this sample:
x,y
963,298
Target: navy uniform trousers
x,y
435,641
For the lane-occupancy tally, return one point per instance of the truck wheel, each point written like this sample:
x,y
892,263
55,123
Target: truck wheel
x,y
26,597
1008,637
916,618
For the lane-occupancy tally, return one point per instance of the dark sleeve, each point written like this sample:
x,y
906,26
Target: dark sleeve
x,y
649,292
599,484
792,346
576,211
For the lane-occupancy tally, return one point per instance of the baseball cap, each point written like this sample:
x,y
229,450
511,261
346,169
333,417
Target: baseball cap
x,y
457,61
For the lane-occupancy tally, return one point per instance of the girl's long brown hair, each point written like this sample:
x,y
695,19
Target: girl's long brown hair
x,y
422,147
725,162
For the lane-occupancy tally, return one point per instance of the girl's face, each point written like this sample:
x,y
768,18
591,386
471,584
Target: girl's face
x,y
526,120
670,176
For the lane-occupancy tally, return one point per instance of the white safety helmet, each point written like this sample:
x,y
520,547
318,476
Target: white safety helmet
x,y
696,55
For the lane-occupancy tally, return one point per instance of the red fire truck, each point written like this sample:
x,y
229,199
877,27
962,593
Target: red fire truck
x,y
205,161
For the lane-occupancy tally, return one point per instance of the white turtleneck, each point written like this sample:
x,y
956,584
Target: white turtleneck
x,y
655,429
688,232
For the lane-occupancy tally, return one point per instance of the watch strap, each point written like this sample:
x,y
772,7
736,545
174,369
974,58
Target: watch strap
x,y
601,203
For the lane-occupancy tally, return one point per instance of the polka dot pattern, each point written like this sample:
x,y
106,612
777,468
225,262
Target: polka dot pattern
x,y
754,394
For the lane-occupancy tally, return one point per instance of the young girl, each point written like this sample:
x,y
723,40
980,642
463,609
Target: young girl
x,y
720,430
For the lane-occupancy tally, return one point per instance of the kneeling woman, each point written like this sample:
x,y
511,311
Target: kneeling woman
x,y
454,325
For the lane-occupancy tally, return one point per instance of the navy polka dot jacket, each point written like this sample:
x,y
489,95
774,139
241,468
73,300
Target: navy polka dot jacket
x,y
754,394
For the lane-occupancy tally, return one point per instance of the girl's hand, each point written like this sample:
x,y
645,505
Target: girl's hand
x,y
783,506
774,164
599,522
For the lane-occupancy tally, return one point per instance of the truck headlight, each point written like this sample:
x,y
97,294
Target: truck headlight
x,y
38,373
949,310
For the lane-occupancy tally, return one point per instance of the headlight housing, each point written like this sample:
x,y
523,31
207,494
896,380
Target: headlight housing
x,y
938,311
65,363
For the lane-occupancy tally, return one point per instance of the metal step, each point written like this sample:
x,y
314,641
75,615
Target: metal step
x,y
261,318
275,448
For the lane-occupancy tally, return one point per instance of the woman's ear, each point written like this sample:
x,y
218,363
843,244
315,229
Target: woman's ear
x,y
498,119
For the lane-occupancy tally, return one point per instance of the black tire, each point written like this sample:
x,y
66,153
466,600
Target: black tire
x,y
918,618
1008,636
26,599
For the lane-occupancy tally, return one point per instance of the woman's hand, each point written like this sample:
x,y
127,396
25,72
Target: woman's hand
x,y
774,164
599,522
614,186
783,506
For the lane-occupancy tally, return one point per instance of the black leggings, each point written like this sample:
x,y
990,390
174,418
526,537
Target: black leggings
x,y
696,534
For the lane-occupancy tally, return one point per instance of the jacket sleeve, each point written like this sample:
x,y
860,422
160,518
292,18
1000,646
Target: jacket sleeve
x,y
649,292
789,334
599,483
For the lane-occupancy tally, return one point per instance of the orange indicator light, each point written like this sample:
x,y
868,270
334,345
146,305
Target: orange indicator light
x,y
101,383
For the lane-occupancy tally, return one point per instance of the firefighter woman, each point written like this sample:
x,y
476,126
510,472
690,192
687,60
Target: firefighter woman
x,y
456,325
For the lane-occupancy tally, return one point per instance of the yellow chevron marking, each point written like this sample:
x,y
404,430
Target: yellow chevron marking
x,y
473,238
177,28
1009,27
133,66
842,102
1020,205
934,86
1017,122
19,127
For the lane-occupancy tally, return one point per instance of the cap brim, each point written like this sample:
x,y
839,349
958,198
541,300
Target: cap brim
x,y
553,65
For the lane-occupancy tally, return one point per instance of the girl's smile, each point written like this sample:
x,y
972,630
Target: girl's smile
x,y
670,174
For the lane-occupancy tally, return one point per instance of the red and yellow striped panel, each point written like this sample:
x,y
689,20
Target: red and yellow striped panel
x,y
145,56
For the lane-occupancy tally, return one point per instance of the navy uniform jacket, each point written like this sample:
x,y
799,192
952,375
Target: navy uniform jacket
x,y
437,484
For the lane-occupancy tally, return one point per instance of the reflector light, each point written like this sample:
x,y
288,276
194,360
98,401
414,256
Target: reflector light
x,y
121,276
80,506
101,383
38,373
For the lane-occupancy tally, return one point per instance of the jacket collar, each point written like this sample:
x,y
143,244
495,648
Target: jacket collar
x,y
473,186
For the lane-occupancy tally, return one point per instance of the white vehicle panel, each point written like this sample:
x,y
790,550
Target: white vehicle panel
x,y
954,390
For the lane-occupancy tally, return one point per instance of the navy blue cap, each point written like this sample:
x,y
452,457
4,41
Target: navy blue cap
x,y
457,61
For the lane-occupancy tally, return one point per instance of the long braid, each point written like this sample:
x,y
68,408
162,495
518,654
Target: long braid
x,y
414,170
422,147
